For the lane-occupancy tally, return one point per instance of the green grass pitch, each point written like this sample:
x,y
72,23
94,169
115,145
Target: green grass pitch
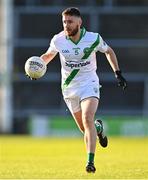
x,y
24,157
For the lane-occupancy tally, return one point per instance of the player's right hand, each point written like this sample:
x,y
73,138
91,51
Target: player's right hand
x,y
30,77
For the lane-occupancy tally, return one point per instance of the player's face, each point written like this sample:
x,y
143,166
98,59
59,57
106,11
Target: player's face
x,y
71,25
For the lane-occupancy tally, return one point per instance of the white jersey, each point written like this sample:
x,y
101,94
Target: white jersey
x,y
78,60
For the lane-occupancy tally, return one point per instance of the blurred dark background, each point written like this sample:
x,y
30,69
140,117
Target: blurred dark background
x,y
121,23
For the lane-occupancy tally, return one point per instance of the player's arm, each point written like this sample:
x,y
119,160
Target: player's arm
x,y
48,56
112,59
51,52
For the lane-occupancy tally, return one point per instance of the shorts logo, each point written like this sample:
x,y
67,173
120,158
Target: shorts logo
x,y
95,89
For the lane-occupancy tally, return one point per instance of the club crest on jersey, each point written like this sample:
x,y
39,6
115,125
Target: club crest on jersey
x,y
65,51
86,50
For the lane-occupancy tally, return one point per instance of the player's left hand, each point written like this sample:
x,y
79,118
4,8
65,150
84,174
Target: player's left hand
x,y
30,77
121,80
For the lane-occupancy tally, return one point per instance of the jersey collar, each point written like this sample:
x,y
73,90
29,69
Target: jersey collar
x,y
82,33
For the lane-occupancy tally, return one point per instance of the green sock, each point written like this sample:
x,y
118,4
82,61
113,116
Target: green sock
x,y
91,157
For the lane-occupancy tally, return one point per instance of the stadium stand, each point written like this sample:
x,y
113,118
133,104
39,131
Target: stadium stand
x,y
123,24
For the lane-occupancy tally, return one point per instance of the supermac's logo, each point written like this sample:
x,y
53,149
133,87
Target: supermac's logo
x,y
77,65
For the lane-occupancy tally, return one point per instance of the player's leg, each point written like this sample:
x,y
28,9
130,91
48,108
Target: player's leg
x,y
74,106
103,140
78,119
89,107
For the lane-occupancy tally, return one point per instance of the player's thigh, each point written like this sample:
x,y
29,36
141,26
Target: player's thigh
x,y
74,106
89,107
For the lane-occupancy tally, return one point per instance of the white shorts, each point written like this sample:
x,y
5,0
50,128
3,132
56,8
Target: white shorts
x,y
74,101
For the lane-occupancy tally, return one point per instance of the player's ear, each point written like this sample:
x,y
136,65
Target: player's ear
x,y
80,21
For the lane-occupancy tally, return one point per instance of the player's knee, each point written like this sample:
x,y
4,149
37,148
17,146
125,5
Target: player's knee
x,y
87,119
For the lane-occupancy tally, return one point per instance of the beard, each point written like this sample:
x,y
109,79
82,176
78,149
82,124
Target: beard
x,y
73,32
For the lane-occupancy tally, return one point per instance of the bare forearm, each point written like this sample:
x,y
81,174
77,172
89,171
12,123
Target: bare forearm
x,y
112,59
47,57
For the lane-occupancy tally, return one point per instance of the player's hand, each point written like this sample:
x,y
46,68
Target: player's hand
x,y
30,77
120,79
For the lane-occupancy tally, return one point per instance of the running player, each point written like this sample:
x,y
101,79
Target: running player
x,y
80,84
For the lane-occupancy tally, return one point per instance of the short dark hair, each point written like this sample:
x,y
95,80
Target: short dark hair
x,y
72,11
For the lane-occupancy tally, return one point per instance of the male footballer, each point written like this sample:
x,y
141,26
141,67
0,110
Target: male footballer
x,y
80,84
